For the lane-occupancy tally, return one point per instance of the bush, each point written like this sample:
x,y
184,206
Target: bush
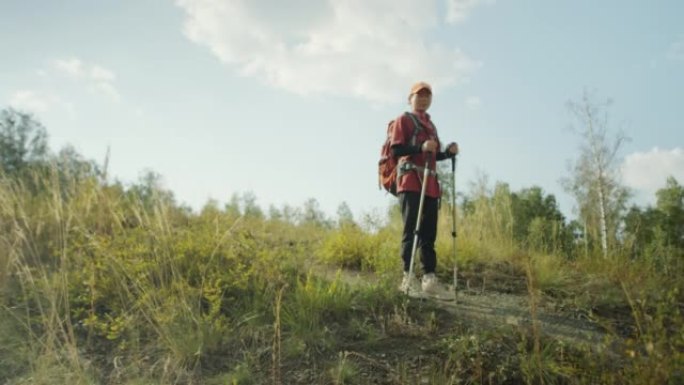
x,y
349,247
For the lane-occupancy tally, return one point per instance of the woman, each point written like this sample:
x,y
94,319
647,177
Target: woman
x,y
415,141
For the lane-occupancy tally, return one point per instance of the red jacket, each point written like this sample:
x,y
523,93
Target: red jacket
x,y
402,134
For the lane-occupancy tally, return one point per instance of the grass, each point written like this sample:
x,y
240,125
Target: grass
x,y
102,284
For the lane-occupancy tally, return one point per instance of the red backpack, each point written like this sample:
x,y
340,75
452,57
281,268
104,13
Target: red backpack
x,y
387,165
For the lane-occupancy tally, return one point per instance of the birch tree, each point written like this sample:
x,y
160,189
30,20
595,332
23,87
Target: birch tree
x,y
595,174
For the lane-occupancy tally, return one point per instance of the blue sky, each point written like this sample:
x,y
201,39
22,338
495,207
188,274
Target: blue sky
x,y
290,100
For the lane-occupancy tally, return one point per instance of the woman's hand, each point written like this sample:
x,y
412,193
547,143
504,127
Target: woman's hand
x,y
429,146
452,149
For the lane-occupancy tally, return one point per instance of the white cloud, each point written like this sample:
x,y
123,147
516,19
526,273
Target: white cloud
x,y
459,10
648,171
108,89
473,102
98,78
72,66
39,102
32,101
98,73
372,50
676,51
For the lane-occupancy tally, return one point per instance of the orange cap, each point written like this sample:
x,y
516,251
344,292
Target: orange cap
x,y
420,86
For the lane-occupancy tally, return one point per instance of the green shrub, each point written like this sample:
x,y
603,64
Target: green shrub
x,y
348,247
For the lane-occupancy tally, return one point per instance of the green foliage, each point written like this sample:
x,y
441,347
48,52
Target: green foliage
x,y
549,271
548,365
348,247
657,347
344,372
344,215
496,224
128,273
538,221
594,180
101,283
13,348
312,214
23,142
307,309
656,234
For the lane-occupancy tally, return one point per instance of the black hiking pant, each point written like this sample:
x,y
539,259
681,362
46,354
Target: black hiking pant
x,y
409,202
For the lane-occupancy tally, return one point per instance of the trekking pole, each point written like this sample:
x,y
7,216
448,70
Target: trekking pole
x,y
453,216
426,174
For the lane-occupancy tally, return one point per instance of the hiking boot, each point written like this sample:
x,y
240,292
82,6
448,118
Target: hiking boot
x,y
431,286
409,284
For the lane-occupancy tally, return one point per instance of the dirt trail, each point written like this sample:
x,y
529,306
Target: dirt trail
x,y
495,309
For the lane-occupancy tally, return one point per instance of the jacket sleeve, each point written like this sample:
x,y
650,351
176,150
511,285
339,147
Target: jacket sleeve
x,y
404,149
444,155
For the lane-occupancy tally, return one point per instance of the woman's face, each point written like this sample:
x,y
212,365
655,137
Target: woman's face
x,y
421,100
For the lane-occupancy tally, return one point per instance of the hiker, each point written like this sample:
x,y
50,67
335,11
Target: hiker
x,y
412,148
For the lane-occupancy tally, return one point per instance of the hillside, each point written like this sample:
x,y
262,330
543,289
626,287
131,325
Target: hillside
x,y
106,283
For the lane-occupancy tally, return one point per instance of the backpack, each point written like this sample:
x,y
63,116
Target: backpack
x,y
387,165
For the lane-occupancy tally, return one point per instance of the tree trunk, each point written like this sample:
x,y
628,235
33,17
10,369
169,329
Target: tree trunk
x,y
602,219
